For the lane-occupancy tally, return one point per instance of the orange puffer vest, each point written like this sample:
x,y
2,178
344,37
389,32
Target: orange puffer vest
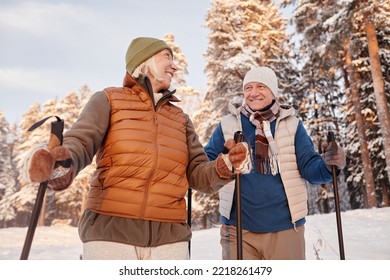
x,y
141,165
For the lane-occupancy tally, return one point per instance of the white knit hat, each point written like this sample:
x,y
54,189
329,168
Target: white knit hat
x,y
264,75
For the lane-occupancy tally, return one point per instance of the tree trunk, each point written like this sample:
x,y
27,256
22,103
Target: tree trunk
x,y
370,198
385,196
379,88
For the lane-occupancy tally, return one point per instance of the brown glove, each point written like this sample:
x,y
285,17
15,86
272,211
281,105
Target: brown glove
x,y
40,165
62,175
239,157
334,157
54,166
235,155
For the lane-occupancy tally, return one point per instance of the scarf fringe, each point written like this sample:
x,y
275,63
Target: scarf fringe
x,y
267,165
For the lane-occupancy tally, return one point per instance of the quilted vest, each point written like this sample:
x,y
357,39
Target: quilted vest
x,y
142,162
294,184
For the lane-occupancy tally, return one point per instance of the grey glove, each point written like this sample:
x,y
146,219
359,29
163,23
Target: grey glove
x,y
334,156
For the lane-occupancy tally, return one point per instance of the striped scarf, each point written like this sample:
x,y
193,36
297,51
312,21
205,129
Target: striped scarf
x,y
266,154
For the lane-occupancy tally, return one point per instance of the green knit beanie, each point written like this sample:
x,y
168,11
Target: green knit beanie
x,y
141,49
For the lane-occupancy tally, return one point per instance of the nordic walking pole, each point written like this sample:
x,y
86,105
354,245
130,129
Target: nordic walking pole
x,y
331,140
55,140
238,138
189,216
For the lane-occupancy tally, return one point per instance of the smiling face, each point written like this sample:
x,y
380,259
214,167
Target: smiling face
x,y
257,95
164,71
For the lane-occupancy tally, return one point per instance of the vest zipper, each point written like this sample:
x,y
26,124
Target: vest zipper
x,y
155,107
152,171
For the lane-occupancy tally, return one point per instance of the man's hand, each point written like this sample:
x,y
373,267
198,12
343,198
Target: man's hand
x,y
236,156
334,156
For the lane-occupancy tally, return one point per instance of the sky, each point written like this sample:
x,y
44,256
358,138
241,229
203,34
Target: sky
x,y
366,235
51,47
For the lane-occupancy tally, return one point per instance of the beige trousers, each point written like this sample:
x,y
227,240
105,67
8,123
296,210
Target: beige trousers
x,y
281,245
103,250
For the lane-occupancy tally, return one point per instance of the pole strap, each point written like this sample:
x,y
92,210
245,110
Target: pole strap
x,y
41,122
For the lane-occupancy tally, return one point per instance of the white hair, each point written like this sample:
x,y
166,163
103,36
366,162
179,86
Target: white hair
x,y
148,65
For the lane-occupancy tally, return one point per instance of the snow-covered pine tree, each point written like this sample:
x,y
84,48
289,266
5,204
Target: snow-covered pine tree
x,y
7,174
340,26
358,156
179,60
189,96
360,190
367,157
320,100
376,16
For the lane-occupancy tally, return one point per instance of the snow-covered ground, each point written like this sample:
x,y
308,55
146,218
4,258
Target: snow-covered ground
x,y
366,237
366,242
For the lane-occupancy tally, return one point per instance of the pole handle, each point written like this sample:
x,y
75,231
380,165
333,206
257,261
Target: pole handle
x,y
238,136
331,139
56,136
56,129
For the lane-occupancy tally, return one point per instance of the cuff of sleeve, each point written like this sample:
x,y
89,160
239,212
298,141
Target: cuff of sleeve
x,y
222,169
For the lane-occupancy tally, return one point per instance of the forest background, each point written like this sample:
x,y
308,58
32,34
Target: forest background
x,y
334,69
